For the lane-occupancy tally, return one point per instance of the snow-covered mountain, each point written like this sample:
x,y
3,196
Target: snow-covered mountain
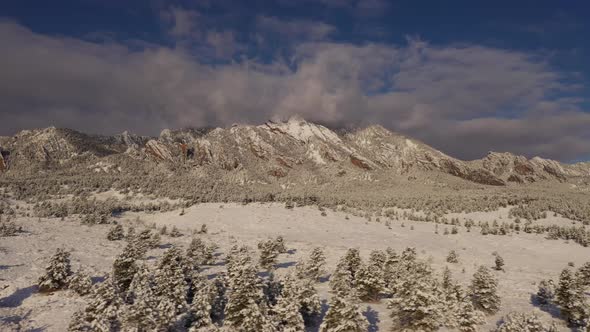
x,y
272,150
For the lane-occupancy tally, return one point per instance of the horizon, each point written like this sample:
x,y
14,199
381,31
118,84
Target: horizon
x,y
463,78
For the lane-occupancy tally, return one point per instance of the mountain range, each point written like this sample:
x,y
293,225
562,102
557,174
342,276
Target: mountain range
x,y
271,151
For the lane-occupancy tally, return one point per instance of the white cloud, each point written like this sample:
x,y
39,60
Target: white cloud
x,y
465,99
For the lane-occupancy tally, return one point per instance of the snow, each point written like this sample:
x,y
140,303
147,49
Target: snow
x,y
529,258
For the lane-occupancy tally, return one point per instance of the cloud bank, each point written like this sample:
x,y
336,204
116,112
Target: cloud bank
x,y
463,99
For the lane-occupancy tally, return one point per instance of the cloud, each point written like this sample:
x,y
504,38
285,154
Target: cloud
x,y
183,22
464,99
294,29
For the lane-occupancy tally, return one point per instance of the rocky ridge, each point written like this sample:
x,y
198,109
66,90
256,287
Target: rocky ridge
x,y
274,150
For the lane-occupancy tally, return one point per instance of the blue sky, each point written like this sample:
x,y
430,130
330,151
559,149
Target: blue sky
x,y
464,76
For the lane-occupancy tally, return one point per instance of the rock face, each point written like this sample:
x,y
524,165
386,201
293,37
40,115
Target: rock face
x,y
278,150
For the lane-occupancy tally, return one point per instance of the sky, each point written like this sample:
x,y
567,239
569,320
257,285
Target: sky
x,y
465,77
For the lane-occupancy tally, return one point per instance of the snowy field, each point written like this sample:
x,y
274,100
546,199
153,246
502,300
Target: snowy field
x,y
528,257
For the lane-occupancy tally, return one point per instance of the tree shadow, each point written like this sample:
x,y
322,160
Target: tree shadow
x,y
6,267
373,318
323,279
285,265
291,251
96,280
16,299
165,246
549,308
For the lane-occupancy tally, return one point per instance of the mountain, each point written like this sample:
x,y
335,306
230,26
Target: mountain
x,y
294,149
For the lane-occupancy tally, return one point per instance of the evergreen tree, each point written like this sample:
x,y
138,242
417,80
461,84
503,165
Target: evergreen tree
x,y
452,257
468,318
314,268
546,292
218,297
200,309
519,322
341,281
171,289
279,245
116,233
268,254
57,272
309,300
103,312
141,314
483,291
369,282
499,263
245,310
570,298
288,308
418,301
124,268
80,282
583,274
344,315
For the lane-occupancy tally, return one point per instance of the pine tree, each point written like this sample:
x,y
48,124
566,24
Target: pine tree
x,y
570,298
218,297
369,282
279,245
175,232
314,268
268,254
546,292
519,322
452,298
103,313
200,308
171,289
288,308
80,282
196,253
452,257
583,274
483,291
309,300
245,309
499,263
344,315
341,281
57,272
468,318
116,233
124,268
141,314
418,301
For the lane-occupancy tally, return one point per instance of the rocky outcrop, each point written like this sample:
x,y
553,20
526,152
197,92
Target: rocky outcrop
x,y
285,149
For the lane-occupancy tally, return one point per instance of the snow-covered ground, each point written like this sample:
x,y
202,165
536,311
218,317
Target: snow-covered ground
x,y
528,257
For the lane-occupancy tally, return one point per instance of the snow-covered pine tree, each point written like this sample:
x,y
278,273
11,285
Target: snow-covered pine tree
x,y
124,268
287,311
314,268
271,287
369,282
351,261
546,292
116,233
140,314
309,300
452,298
246,310
171,289
341,281
418,303
57,272
268,254
279,244
499,263
520,322
103,313
483,291
80,282
218,297
570,297
452,257
200,308
583,274
468,318
195,253
344,314
377,260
